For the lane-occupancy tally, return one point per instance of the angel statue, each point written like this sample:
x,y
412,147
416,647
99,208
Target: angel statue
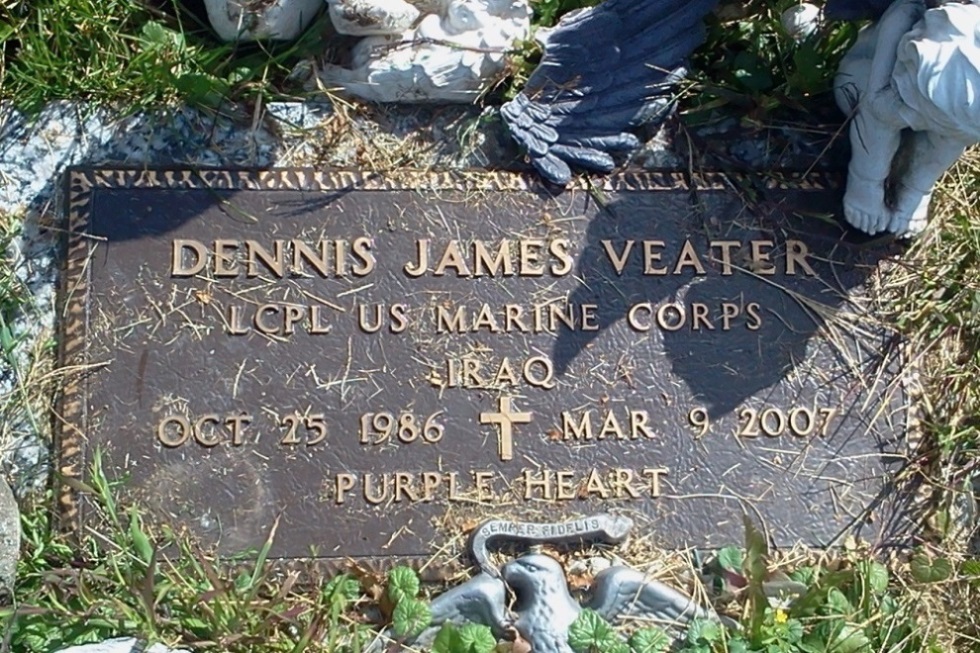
x,y
911,83
444,54
544,609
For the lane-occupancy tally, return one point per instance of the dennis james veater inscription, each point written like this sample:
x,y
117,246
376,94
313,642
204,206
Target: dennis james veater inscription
x,y
359,356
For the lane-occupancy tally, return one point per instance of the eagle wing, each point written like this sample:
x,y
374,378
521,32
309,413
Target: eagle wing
x,y
480,600
623,592
605,70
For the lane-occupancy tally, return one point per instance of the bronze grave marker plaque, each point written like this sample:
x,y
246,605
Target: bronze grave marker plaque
x,y
362,356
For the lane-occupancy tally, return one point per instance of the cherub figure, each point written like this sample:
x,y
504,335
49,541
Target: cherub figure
x,y
446,56
912,85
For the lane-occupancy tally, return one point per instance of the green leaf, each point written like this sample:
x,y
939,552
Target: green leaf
x,y
738,645
650,640
589,631
157,35
805,575
838,603
243,582
617,646
403,583
730,558
971,568
201,89
6,30
751,72
851,639
447,640
875,574
410,617
341,589
140,541
476,638
794,631
888,606
812,644
704,631
925,570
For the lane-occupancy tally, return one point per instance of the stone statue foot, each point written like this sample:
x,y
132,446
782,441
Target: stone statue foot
x,y
868,222
864,204
912,209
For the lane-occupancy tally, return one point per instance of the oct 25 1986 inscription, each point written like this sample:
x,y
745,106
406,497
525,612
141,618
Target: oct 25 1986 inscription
x,y
359,356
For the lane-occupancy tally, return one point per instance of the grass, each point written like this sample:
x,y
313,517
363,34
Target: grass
x,y
136,54
133,54
26,359
935,296
117,581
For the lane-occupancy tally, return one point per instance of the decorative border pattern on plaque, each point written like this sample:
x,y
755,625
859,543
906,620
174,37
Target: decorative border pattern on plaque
x,y
72,418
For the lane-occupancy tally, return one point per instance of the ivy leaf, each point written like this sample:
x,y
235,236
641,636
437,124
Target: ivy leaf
x,y
589,631
618,646
730,559
805,575
403,583
794,631
838,603
476,638
447,641
876,576
410,617
737,646
888,605
341,589
703,631
851,639
649,640
930,571
155,33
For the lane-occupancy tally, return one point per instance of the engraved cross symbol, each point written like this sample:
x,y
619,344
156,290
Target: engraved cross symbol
x,y
505,418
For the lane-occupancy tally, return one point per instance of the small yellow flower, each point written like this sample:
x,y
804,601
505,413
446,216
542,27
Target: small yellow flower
x,y
781,616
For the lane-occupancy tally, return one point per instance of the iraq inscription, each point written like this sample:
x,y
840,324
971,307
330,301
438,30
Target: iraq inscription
x,y
359,356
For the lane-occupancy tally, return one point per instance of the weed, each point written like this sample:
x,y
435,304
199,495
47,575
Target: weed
x,y
125,578
750,66
547,12
850,608
25,362
129,53
410,616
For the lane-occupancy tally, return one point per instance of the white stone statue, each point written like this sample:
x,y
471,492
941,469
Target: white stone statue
x,y
251,20
446,56
912,85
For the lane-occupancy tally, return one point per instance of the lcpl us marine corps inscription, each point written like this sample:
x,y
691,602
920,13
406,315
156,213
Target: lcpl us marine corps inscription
x,y
358,356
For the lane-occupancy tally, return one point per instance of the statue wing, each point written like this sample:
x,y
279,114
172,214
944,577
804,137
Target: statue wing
x,y
480,600
624,592
855,9
605,70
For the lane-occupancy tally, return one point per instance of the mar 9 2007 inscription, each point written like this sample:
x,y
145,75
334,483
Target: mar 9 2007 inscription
x,y
359,356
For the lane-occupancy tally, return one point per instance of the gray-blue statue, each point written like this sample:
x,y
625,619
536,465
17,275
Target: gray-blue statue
x,y
605,71
855,9
544,609
909,84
